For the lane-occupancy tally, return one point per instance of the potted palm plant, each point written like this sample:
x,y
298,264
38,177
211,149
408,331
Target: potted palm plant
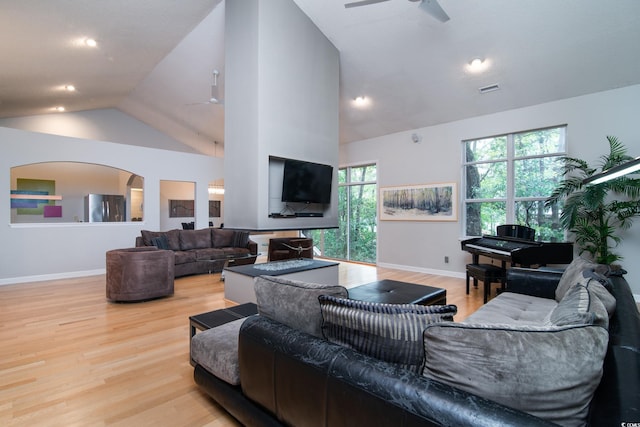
x,y
596,213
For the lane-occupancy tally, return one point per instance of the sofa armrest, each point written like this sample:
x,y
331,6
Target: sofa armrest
x,y
616,399
534,282
253,247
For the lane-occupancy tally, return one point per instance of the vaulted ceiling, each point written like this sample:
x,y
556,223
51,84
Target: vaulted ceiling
x,y
154,59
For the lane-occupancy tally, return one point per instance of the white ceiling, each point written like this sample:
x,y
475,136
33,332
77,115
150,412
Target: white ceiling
x,y
156,57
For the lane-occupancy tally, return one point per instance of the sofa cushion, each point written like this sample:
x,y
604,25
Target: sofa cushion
x,y
573,273
216,350
184,257
210,253
195,239
514,309
389,332
292,302
548,371
222,238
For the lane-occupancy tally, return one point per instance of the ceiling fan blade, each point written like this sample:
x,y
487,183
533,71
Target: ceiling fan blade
x,y
363,3
433,8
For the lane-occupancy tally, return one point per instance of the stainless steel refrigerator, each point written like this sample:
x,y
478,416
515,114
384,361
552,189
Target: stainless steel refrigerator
x,y
104,208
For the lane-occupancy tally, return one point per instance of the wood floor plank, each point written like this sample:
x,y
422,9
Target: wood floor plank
x,y
70,357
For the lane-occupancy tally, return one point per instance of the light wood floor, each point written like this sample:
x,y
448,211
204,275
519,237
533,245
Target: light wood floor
x,y
70,358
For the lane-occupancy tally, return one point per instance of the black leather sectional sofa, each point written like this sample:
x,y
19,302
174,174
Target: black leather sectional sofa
x,y
288,377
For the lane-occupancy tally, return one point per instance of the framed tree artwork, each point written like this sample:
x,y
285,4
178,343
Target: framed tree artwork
x,y
422,202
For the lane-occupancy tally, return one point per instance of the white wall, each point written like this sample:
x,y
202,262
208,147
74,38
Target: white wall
x,y
107,124
281,94
46,251
422,246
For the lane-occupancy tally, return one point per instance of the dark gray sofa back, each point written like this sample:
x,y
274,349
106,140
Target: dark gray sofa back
x,y
307,381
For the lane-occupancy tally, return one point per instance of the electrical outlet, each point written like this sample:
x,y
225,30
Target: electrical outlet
x,y
446,260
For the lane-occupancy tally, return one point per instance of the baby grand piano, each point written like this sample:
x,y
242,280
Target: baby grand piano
x,y
518,251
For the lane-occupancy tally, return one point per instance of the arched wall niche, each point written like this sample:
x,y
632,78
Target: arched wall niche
x,y
56,192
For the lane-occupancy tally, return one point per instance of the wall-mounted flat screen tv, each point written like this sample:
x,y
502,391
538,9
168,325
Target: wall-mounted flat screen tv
x,y
306,182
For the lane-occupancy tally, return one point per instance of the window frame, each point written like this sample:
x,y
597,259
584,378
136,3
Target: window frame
x,y
348,184
510,200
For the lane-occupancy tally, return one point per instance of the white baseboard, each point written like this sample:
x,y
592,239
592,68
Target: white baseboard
x,y
446,273
56,276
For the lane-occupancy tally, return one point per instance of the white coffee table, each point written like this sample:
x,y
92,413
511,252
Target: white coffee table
x,y
238,285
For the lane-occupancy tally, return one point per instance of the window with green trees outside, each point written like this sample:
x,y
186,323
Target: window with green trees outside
x,y
355,239
507,179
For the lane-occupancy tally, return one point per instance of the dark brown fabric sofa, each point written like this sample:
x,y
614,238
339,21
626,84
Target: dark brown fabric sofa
x,y
194,250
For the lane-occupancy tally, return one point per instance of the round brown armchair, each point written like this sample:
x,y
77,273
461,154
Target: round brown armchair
x,y
138,274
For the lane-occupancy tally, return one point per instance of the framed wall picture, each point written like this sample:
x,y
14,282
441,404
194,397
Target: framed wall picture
x,y
181,208
214,208
423,202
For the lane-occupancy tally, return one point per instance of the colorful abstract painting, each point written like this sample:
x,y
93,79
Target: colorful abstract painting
x,y
35,187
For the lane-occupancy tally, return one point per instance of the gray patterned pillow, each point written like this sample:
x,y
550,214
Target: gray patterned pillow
x,y
389,332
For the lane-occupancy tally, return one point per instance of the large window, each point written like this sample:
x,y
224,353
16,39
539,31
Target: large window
x,y
508,178
355,239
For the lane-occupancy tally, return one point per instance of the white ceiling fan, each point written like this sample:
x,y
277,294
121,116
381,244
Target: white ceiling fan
x,y
432,7
215,95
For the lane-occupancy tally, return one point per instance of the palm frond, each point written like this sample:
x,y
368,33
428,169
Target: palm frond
x,y
571,164
617,154
596,213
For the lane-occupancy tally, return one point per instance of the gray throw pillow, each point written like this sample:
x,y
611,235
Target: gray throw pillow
x,y
548,371
292,302
573,273
600,286
389,332
581,305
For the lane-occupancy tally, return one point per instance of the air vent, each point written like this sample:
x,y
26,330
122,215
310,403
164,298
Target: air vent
x,y
489,88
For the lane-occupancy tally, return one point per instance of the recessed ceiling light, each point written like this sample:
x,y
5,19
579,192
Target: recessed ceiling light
x,y
90,42
70,88
59,109
361,101
477,65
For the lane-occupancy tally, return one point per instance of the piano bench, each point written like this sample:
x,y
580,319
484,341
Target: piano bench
x,y
488,274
